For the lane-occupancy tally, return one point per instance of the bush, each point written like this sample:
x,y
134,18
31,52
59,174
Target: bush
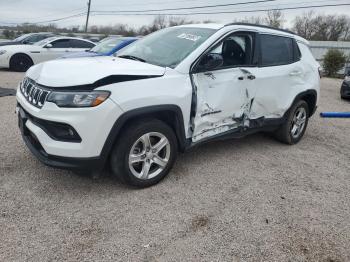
x,y
333,61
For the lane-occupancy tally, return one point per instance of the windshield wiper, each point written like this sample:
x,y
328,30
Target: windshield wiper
x,y
132,58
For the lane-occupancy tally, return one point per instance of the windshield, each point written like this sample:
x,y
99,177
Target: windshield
x,y
20,38
167,47
107,46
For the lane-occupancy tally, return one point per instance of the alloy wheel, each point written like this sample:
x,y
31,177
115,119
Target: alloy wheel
x,y
149,155
298,122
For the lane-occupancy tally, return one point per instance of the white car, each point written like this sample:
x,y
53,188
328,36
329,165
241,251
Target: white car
x,y
172,90
21,57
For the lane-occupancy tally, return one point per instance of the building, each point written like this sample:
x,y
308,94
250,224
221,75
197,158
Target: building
x,y
320,48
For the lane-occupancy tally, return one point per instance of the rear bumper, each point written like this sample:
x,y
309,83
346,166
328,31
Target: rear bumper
x,y
345,90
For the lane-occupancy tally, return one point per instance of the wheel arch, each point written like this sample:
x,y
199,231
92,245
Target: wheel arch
x,y
310,97
170,114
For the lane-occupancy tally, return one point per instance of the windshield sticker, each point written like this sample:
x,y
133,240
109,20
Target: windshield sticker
x,y
190,37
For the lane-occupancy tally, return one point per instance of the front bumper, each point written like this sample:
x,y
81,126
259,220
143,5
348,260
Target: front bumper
x,y
88,164
4,60
93,125
345,89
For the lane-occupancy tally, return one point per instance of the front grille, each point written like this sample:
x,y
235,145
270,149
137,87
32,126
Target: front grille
x,y
34,93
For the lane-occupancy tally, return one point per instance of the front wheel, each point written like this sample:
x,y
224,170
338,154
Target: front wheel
x,y
20,63
294,128
144,153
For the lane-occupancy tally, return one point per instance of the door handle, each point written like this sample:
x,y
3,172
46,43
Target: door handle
x,y
295,73
246,72
251,77
209,74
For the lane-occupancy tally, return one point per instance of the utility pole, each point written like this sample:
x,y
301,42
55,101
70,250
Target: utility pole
x,y
87,16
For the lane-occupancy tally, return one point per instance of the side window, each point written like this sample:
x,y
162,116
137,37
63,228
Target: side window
x,y
30,39
74,43
61,43
236,50
276,50
33,39
41,37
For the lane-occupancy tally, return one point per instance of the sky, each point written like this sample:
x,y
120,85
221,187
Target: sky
x,y
19,11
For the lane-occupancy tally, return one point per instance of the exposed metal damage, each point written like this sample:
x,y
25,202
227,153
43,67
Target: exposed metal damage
x,y
212,119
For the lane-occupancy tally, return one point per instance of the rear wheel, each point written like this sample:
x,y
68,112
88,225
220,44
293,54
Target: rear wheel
x,y
294,128
144,154
20,63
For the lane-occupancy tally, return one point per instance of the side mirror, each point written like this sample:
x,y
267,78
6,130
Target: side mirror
x,y
48,46
25,42
210,61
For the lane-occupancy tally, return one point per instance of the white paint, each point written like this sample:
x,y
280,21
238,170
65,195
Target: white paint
x,y
37,53
221,98
223,101
90,70
92,124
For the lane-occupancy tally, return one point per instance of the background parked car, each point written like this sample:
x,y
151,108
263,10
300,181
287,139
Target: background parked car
x,y
21,57
105,48
345,87
27,39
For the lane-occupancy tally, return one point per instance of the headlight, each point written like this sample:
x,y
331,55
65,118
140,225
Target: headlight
x,y
78,99
2,52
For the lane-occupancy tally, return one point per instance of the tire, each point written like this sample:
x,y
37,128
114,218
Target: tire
x,y
133,143
20,63
287,132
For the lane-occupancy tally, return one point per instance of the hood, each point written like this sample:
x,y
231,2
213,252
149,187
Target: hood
x,y
3,43
81,54
20,47
89,70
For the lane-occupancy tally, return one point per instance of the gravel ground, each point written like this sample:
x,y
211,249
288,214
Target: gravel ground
x,y
252,199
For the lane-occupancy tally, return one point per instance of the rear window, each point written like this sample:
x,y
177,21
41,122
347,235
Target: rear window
x,y
276,50
75,43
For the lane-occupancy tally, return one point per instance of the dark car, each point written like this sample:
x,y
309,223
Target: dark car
x,y
27,39
345,88
105,47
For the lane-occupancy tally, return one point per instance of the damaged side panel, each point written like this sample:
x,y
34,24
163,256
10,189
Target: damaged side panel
x,y
223,103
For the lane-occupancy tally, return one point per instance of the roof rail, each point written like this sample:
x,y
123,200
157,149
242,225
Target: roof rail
x,y
263,26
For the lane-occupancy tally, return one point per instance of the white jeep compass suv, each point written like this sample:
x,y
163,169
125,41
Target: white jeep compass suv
x,y
172,90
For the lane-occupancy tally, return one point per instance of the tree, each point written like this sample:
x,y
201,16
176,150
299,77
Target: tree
x,y
9,34
274,18
322,27
333,61
177,20
6,33
304,26
159,22
256,20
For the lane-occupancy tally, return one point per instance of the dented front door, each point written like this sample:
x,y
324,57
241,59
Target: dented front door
x,y
224,101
